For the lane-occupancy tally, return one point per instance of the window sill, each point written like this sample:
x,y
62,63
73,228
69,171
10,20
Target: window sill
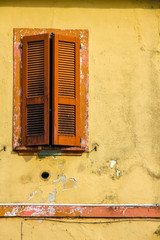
x,y
50,151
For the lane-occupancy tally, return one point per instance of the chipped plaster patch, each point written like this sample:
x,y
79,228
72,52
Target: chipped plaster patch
x,y
118,173
32,195
69,184
51,210
56,180
38,192
61,164
112,163
52,196
13,213
63,179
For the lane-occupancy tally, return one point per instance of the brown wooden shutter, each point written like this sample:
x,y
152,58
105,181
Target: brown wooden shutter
x,y
35,90
66,91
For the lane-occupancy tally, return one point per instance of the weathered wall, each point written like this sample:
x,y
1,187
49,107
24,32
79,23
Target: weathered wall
x,y
124,119
38,229
124,105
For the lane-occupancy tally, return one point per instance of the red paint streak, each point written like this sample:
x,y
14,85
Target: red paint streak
x,y
79,211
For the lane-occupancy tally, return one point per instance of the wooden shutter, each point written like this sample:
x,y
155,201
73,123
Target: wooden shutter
x,y
35,90
66,90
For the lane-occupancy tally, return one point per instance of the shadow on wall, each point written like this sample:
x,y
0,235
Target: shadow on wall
x,y
125,4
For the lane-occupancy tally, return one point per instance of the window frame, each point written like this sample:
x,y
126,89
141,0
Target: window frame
x,y
17,93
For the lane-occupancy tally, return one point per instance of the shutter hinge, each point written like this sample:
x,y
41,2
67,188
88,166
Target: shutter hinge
x,y
20,45
51,35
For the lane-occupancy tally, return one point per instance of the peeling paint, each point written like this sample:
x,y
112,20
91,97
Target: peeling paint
x,y
112,163
68,183
54,210
36,193
118,173
52,196
63,179
32,195
56,180
61,164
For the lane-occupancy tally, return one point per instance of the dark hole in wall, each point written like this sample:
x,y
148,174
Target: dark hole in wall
x,y
45,175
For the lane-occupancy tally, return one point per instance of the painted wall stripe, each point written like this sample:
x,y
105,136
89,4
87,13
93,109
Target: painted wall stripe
x,y
88,211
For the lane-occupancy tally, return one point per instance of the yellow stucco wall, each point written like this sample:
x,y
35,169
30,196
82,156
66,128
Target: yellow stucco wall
x,y
124,109
124,119
38,229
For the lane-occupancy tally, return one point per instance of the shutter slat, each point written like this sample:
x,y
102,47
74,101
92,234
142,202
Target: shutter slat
x,y
35,49
35,125
66,119
35,62
35,76
66,50
71,56
35,90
